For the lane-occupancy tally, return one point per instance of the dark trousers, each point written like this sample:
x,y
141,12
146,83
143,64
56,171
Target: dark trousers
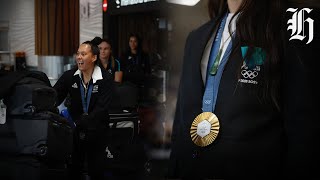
x,y
88,155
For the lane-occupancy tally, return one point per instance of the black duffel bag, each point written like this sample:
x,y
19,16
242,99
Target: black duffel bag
x,y
29,93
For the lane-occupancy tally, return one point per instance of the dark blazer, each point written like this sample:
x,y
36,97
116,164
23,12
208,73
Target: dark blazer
x,y
97,117
256,140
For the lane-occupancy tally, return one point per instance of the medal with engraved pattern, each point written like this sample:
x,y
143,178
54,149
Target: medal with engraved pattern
x,y
204,129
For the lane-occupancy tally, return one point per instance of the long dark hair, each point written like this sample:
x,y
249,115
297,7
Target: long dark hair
x,y
259,24
139,47
111,57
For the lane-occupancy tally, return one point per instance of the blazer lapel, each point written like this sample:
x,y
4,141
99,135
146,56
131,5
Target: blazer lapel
x,y
204,36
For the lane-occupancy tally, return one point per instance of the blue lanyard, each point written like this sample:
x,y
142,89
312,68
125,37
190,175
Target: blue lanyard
x,y
213,82
85,99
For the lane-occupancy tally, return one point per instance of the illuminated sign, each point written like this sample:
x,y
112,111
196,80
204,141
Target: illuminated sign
x,y
184,2
121,3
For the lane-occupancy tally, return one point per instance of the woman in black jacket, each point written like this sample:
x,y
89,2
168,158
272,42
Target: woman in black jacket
x,y
135,62
107,60
244,108
89,89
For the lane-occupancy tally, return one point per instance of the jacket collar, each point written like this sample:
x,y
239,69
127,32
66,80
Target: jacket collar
x,y
203,36
96,75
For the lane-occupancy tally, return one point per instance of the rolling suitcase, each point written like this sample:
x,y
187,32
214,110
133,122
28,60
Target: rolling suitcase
x,y
124,153
34,140
41,142
45,135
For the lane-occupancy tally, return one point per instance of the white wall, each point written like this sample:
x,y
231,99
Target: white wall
x,y
20,14
90,23
5,7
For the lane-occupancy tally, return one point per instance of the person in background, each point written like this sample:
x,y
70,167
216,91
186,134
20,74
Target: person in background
x,y
90,90
245,109
107,60
135,62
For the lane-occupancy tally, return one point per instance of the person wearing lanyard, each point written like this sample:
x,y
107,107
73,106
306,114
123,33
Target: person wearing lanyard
x,y
235,118
90,91
107,60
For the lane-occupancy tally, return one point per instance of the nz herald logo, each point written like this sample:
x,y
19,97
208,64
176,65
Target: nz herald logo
x,y
300,25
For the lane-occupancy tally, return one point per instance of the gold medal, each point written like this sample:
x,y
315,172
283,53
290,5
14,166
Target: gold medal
x,y
204,129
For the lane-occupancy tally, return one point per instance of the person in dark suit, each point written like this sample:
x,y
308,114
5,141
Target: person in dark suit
x,y
244,108
90,90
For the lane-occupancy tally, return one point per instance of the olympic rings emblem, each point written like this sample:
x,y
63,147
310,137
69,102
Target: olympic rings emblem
x,y
249,74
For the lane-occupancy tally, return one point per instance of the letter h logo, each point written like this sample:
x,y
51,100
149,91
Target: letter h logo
x,y
297,24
